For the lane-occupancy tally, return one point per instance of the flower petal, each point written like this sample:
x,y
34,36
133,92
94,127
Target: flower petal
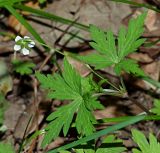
x,y
32,42
30,45
18,38
17,47
25,51
26,37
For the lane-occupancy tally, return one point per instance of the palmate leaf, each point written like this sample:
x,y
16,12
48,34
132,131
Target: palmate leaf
x,y
110,54
70,86
145,147
24,68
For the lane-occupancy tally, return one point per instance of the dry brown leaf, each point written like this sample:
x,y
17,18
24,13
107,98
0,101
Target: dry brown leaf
x,y
153,71
16,25
141,57
108,112
151,20
79,66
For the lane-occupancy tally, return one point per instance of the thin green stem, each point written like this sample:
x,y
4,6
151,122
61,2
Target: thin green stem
x,y
51,48
103,78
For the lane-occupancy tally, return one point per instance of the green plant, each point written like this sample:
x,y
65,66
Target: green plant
x,y
70,86
145,147
110,54
83,92
23,67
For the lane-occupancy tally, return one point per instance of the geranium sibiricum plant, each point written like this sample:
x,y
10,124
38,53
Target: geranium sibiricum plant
x,y
82,92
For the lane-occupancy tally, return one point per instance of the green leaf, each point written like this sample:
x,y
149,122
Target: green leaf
x,y
70,86
146,147
111,145
110,54
6,148
97,60
60,119
24,68
85,117
129,66
72,78
156,108
129,41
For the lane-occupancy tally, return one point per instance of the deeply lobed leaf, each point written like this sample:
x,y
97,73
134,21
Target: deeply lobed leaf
x,y
24,68
146,147
110,54
70,86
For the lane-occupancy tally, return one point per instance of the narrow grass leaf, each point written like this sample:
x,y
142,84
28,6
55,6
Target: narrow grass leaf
x,y
100,133
50,16
25,23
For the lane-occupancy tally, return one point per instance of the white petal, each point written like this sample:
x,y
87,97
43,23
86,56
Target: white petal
x,y
30,45
17,47
32,42
18,38
26,37
25,51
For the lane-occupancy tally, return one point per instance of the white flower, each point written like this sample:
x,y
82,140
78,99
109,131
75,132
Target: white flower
x,y
23,44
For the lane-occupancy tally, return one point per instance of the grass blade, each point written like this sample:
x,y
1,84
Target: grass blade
x,y
125,118
100,133
50,16
25,23
8,2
